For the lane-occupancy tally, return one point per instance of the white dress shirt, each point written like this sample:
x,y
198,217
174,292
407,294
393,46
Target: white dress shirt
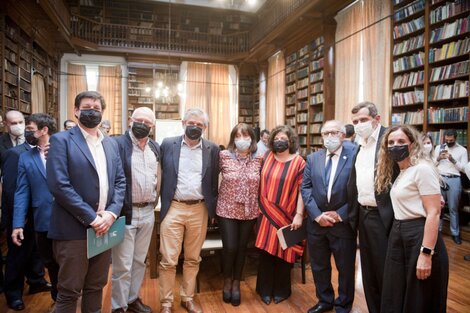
x,y
189,185
446,167
334,166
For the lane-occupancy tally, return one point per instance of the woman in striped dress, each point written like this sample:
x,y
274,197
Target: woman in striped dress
x,y
280,205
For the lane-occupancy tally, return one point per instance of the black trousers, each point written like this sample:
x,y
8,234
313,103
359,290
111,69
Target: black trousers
x,y
273,277
235,236
402,291
321,247
22,261
373,240
45,251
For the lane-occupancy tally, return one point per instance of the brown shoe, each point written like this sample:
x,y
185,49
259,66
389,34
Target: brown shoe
x,y
166,309
138,307
191,306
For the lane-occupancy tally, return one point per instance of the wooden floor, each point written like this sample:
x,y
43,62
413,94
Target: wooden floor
x,y
303,296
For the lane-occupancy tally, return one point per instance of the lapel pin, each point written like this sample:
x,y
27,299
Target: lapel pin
x,y
345,157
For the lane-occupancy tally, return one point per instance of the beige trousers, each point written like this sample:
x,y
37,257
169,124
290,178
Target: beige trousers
x,y
183,225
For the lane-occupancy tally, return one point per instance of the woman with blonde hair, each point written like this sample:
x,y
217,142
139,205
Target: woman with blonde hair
x,y
417,266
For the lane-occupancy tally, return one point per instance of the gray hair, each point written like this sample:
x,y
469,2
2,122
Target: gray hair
x,y
366,104
338,123
196,112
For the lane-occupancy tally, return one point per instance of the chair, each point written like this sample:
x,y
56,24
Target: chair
x,y
212,245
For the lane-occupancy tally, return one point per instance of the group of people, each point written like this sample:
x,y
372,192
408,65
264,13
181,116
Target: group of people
x,y
386,186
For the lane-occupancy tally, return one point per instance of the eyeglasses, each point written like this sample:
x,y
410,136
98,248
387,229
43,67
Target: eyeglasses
x,y
333,133
142,122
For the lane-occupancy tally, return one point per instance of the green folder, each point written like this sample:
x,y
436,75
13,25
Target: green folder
x,y
114,236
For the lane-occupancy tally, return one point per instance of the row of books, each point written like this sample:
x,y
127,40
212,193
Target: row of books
x,y
291,58
316,76
458,89
315,128
290,99
442,115
290,77
302,129
11,67
315,65
409,62
302,141
302,117
290,110
450,50
450,71
316,140
290,88
302,83
407,98
317,117
303,72
409,10
455,28
413,118
291,68
318,42
246,112
290,121
316,88
408,80
438,136
316,99
303,51
448,10
302,93
408,27
302,105
408,45
318,52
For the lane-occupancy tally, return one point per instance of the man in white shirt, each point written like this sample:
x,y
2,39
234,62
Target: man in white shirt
x,y
263,142
451,160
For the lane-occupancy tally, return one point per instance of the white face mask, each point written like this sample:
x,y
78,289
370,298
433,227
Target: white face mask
x,y
242,144
332,143
364,129
427,148
17,129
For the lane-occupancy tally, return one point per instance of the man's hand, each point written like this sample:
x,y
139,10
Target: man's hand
x,y
102,223
334,215
17,236
326,220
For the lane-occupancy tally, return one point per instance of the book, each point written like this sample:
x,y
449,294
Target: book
x,y
114,236
288,238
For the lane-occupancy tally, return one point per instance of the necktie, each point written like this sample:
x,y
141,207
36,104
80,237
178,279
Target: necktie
x,y
328,169
17,141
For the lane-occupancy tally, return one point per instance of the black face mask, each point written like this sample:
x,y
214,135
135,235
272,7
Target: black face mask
x,y
90,118
193,132
398,153
140,130
280,146
450,144
29,137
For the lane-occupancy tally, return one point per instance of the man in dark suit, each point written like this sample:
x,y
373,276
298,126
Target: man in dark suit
x,y
85,176
189,195
324,191
15,124
32,189
21,261
370,212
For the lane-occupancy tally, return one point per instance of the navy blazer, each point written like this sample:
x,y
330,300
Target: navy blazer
x,y
5,145
73,181
125,151
314,191
170,152
31,187
9,176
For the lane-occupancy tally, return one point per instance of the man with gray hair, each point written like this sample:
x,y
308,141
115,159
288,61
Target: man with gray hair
x,y
15,124
189,195
140,158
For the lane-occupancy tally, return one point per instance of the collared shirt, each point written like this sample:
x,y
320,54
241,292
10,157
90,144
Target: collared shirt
x,y
446,167
189,185
144,166
334,166
42,155
365,166
262,148
17,140
99,157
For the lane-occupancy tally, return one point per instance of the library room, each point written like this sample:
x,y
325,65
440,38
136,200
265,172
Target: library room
x,y
278,156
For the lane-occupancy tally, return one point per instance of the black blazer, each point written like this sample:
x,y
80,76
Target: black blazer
x,y
124,143
5,144
170,156
384,203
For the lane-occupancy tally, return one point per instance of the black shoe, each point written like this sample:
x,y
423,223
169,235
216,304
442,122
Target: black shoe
x,y
226,296
320,308
457,239
467,257
45,287
266,299
236,298
17,305
138,307
278,299
120,310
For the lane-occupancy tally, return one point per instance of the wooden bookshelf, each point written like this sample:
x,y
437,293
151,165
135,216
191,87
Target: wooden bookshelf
x,y
248,99
431,46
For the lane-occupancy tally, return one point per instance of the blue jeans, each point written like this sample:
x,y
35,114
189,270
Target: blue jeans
x,y
452,198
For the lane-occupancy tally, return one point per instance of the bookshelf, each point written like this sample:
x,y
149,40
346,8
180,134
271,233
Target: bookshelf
x,y
431,46
248,100
310,90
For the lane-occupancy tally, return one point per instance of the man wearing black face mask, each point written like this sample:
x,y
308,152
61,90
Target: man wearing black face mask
x,y
140,157
189,195
451,160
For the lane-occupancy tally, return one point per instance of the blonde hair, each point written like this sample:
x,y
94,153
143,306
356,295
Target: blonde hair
x,y
385,165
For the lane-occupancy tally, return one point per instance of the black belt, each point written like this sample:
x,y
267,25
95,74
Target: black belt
x,y
141,204
189,202
369,208
450,176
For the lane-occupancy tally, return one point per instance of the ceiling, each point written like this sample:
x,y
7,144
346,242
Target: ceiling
x,y
251,6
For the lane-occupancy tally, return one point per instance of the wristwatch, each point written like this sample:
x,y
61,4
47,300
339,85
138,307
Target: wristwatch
x,y
426,250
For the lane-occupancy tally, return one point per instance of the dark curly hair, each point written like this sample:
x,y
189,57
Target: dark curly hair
x,y
291,134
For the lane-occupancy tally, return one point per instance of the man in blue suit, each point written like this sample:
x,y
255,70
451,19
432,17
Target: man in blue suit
x,y
325,194
31,188
189,195
85,176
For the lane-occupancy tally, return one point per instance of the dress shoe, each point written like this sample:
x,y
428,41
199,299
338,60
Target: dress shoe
x,y
236,298
45,287
266,299
278,299
191,306
138,307
17,305
457,239
226,296
320,308
467,257
166,309
120,310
